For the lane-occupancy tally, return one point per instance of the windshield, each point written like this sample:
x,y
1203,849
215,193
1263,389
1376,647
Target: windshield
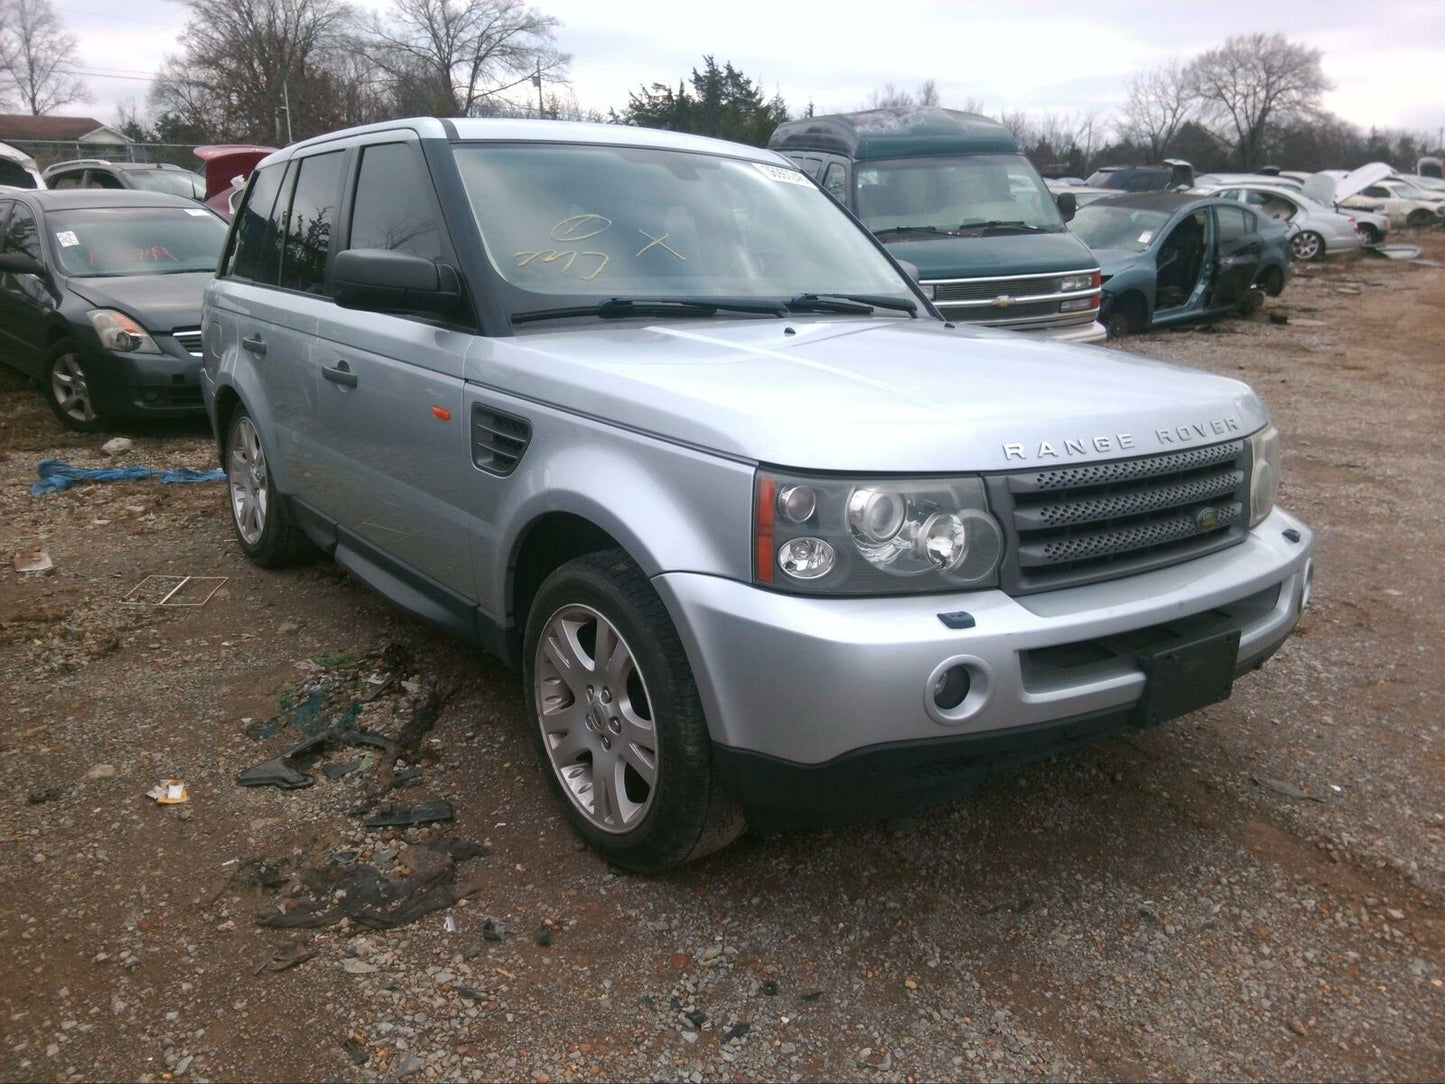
x,y
1130,229
590,223
954,194
1131,180
110,241
173,182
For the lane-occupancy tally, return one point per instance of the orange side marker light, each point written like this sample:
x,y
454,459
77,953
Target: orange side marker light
x,y
441,414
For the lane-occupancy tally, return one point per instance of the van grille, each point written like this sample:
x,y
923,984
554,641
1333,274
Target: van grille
x,y
498,440
989,289
1074,525
998,301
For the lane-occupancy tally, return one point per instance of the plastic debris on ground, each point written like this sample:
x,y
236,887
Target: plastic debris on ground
x,y
116,446
56,476
169,792
33,561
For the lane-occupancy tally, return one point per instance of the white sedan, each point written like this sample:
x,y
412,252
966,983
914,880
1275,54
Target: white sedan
x,y
1317,230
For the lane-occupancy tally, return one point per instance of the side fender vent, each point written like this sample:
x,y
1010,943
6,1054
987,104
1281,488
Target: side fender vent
x,y
498,440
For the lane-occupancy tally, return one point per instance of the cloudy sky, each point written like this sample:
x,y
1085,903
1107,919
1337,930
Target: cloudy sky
x,y
1385,57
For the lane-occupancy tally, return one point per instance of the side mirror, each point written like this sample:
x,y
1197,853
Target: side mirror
x,y
1068,205
378,280
20,263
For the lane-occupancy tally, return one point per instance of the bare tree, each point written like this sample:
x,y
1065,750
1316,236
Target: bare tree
x,y
1159,102
34,49
890,97
252,66
459,57
1253,83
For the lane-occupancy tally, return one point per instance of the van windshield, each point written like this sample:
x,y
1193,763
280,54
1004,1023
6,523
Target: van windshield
x,y
602,222
955,194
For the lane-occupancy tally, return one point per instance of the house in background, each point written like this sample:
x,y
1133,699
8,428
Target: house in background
x,y
56,139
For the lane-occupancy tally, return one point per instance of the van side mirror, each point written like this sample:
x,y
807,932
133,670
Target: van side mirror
x,y
1068,205
21,263
379,280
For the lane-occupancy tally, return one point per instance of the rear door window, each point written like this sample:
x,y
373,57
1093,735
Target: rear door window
x,y
257,249
394,208
102,178
309,224
71,178
1234,223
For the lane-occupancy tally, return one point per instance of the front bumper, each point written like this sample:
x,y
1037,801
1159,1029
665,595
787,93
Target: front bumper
x,y
804,695
148,385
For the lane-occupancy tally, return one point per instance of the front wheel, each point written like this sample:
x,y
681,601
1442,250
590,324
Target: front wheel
x,y
68,389
1307,245
617,722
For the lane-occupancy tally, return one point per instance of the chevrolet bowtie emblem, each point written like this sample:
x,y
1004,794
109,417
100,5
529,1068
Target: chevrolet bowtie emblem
x,y
1003,301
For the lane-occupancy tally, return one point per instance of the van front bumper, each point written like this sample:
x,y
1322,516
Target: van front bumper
x,y
823,710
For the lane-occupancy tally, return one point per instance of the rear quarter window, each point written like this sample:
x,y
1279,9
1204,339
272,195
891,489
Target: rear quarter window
x,y
255,252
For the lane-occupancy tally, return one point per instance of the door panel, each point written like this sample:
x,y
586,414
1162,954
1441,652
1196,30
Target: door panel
x,y
25,300
1238,252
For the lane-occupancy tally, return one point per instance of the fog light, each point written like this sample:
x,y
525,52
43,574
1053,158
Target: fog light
x,y
806,558
950,688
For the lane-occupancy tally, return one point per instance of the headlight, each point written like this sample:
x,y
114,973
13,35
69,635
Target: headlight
x,y
1264,479
831,536
1079,282
118,331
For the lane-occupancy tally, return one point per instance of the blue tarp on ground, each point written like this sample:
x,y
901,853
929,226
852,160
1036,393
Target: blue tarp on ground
x,y
57,475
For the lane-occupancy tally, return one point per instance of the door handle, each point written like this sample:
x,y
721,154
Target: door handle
x,y
255,344
342,375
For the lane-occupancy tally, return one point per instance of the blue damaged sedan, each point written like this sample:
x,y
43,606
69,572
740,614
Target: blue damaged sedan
x,y
1167,257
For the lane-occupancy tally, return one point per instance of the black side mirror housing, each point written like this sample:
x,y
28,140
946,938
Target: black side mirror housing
x,y
20,263
379,280
1068,205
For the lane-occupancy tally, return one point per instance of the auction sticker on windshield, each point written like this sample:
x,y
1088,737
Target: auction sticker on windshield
x,y
778,173
67,238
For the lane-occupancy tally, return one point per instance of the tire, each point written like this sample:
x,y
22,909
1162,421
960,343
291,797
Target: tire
x,y
1419,219
259,514
66,387
1252,301
659,803
1369,235
1126,317
1272,281
1307,246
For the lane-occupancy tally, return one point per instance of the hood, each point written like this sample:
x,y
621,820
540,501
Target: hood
x,y
158,302
1329,189
977,257
880,394
1114,260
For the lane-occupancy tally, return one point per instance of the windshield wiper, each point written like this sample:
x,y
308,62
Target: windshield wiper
x,y
994,224
859,303
914,229
614,308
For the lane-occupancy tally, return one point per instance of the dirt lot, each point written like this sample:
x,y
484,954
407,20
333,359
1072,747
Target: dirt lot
x,y
1252,891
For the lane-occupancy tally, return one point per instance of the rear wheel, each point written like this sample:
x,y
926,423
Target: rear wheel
x,y
68,389
617,722
262,522
1272,281
1419,219
1369,235
1307,245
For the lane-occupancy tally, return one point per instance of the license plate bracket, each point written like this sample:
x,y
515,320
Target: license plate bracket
x,y
1186,677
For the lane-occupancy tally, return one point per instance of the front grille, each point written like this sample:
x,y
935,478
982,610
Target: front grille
x,y
988,289
987,313
498,440
1068,526
190,341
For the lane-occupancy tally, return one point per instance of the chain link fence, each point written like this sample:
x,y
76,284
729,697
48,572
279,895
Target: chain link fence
x,y
48,152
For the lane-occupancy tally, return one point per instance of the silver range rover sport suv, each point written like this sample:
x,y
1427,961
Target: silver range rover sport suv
x,y
653,418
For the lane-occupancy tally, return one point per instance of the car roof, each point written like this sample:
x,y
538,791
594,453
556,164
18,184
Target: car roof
x,y
506,130
76,199
1168,202
901,132
82,163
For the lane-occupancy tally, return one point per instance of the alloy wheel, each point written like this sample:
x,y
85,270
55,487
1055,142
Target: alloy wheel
x,y
67,384
248,482
596,718
1306,246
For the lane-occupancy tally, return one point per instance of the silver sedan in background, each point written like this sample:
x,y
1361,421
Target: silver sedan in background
x,y
1317,231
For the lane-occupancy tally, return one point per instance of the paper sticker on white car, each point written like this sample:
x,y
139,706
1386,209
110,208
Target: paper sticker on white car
x,y
778,173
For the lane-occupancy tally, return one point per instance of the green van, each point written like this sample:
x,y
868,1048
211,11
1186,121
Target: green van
x,y
949,193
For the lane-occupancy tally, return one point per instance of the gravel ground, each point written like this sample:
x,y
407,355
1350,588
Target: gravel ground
x,y
1254,890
